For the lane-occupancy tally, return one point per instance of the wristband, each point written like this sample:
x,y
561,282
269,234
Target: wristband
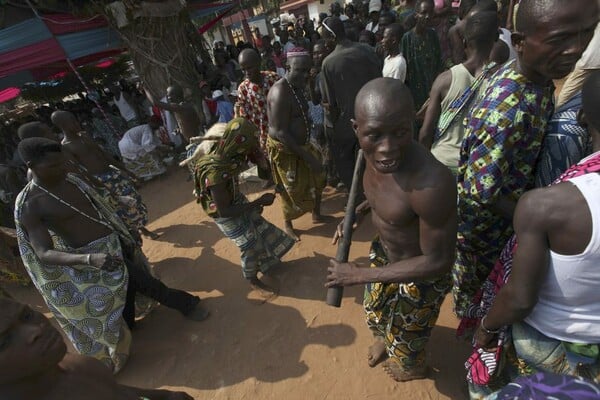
x,y
89,259
489,332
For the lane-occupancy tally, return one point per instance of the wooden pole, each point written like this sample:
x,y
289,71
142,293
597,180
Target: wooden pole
x,y
335,293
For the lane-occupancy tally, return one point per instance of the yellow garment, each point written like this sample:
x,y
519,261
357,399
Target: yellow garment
x,y
298,184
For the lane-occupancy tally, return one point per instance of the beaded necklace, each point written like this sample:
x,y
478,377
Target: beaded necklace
x,y
96,220
304,117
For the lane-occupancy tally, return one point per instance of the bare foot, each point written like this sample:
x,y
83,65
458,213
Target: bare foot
x,y
377,352
150,234
399,374
318,218
289,229
266,287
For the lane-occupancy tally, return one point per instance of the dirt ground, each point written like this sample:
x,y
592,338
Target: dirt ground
x,y
292,347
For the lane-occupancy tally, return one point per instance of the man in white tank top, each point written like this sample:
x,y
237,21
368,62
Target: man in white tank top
x,y
127,106
552,298
480,36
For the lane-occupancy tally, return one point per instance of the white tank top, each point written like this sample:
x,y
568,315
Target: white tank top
x,y
568,307
127,112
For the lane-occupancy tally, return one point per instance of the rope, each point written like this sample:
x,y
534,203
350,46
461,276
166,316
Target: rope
x,y
87,89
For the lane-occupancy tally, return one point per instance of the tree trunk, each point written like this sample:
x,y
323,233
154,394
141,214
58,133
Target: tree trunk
x,y
162,41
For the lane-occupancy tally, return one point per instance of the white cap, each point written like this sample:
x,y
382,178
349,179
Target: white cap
x,y
217,94
374,5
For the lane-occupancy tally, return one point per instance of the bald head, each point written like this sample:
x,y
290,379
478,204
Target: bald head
x,y
66,122
384,98
531,13
484,6
249,56
34,129
249,61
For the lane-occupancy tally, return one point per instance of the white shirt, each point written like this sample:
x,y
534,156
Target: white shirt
x,y
137,142
372,28
505,36
591,56
568,306
170,123
395,67
125,109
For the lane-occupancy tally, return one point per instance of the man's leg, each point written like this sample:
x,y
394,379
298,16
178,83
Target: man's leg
x,y
379,303
469,272
140,280
409,328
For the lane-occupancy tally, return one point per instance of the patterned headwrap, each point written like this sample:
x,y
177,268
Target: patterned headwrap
x,y
298,52
226,160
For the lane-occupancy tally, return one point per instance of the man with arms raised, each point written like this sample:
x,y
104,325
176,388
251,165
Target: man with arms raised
x,y
83,260
413,199
295,162
187,118
34,364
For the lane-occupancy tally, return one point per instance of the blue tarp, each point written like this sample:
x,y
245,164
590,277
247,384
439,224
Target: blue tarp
x,y
24,34
81,44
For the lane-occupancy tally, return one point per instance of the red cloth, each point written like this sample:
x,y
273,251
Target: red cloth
x,y
204,28
60,24
44,52
40,72
9,94
212,106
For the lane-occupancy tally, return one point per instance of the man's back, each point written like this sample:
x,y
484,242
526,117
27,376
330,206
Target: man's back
x,y
569,301
87,153
188,120
447,147
345,72
137,141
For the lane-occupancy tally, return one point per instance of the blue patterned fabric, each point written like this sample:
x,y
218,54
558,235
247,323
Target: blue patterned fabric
x,y
545,385
565,143
261,243
86,301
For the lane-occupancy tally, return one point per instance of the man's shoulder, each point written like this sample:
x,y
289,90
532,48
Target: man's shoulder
x,y
278,89
79,364
510,97
30,201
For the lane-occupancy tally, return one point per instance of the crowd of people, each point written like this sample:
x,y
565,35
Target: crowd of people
x,y
482,178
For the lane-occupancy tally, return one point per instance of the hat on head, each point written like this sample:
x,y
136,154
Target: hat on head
x,y
216,94
374,5
297,52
